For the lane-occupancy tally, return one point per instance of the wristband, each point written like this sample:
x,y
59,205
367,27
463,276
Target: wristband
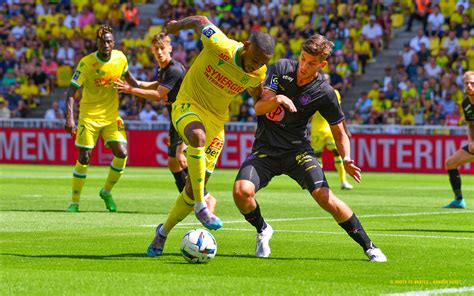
x,y
347,158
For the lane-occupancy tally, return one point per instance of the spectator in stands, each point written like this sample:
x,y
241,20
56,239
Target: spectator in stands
x,y
406,118
423,54
148,114
363,106
114,16
54,113
190,43
336,80
40,79
72,17
448,104
134,65
5,113
454,118
412,67
432,69
130,16
12,97
21,110
450,43
66,54
9,78
373,32
436,19
86,17
420,38
420,12
436,117
406,54
385,21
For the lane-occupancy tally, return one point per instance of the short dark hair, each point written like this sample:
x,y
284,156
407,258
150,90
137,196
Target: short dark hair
x,y
104,29
264,42
318,45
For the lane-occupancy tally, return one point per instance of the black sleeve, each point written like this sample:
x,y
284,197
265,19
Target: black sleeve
x,y
272,81
171,77
331,109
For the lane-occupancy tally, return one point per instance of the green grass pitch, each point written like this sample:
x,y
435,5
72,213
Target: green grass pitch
x,y
46,251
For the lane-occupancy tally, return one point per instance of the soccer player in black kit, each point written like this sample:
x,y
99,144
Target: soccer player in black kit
x,y
466,153
293,92
166,87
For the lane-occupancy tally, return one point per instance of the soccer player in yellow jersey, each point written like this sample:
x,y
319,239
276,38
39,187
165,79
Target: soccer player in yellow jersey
x,y
98,114
321,137
223,69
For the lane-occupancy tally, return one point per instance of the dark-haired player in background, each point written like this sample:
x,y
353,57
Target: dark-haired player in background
x,y
466,153
98,114
223,69
294,91
166,87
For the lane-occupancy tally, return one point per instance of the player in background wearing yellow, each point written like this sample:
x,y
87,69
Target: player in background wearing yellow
x,y
166,87
466,153
321,137
98,114
223,69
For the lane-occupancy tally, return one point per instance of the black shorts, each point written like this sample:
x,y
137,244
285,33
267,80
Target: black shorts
x,y
466,148
174,139
303,167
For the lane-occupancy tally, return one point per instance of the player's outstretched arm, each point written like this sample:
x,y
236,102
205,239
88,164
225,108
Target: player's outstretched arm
x,y
157,94
344,147
269,101
195,22
70,125
470,135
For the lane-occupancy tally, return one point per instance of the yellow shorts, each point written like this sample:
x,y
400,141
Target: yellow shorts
x,y
185,113
321,139
88,131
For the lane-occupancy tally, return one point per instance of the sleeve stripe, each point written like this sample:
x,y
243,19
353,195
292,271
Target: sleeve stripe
x,y
75,84
269,88
337,121
167,86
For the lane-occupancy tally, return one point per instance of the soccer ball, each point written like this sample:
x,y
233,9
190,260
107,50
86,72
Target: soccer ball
x,y
198,246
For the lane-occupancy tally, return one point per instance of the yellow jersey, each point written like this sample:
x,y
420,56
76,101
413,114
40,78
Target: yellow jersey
x,y
318,123
100,100
216,76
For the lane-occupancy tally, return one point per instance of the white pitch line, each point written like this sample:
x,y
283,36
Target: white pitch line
x,y
343,233
186,225
331,218
434,292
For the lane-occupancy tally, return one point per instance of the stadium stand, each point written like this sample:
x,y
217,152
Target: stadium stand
x,y
41,41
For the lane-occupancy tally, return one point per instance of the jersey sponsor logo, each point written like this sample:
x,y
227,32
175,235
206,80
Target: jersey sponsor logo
x,y
305,99
274,82
222,82
76,75
215,147
287,77
208,32
107,80
277,114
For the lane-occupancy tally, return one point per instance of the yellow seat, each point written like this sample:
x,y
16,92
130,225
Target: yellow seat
x,y
397,20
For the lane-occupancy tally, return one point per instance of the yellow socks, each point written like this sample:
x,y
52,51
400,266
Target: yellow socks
x,y
78,179
116,171
340,168
197,172
182,208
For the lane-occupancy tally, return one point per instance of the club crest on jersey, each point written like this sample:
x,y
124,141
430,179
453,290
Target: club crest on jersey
x,y
208,32
76,75
245,79
305,99
274,82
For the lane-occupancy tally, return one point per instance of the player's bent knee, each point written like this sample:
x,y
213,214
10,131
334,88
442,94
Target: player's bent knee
x,y
196,134
243,190
121,154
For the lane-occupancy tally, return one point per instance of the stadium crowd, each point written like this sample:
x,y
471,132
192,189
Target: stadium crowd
x,y
41,42
425,86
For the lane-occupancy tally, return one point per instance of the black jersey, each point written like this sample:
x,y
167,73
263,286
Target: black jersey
x,y
468,109
281,131
171,77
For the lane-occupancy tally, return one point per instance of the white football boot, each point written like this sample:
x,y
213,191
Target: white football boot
x,y
262,248
376,255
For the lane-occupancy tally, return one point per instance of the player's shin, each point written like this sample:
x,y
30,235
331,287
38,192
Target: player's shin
x,y
455,180
354,229
183,206
117,167
256,219
197,174
180,179
78,179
